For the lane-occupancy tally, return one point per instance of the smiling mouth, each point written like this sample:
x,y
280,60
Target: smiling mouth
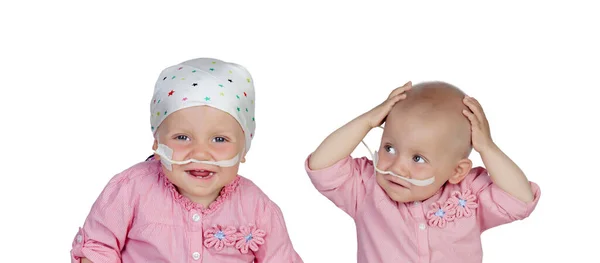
x,y
200,173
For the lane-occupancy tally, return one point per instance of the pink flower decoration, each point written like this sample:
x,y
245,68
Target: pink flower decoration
x,y
464,202
249,237
219,237
440,214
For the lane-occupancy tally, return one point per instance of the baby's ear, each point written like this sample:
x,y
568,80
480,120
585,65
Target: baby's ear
x,y
460,172
244,154
154,147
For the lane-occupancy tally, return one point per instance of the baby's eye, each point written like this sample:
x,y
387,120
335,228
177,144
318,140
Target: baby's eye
x,y
219,139
418,159
182,137
389,149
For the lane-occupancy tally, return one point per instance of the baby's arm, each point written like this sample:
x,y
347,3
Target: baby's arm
x,y
340,143
277,246
506,174
502,170
494,205
103,235
344,140
333,172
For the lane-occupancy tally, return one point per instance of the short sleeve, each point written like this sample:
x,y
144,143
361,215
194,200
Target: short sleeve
x,y
344,183
496,206
102,237
277,246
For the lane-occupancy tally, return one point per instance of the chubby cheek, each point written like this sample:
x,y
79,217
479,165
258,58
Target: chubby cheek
x,y
421,171
171,174
379,178
226,175
216,151
224,151
394,194
384,159
425,192
179,152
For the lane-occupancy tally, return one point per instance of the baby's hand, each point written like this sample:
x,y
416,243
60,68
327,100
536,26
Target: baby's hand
x,y
377,115
480,128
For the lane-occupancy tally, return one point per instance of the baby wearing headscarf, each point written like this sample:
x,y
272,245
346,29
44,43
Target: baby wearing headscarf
x,y
187,203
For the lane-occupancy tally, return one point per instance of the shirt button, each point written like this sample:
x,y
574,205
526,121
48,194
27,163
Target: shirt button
x,y
196,217
79,238
422,226
416,203
196,255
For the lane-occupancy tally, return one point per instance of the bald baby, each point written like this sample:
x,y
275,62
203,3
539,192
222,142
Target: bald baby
x,y
435,108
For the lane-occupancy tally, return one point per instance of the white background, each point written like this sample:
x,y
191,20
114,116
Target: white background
x,y
77,77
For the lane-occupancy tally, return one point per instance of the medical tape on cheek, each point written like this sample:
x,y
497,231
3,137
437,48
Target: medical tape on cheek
x,y
416,182
165,154
166,158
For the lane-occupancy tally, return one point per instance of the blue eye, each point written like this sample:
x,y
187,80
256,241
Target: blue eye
x,y
389,149
418,159
219,139
182,137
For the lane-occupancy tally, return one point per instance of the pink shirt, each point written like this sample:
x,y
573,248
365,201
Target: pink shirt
x,y
140,217
444,228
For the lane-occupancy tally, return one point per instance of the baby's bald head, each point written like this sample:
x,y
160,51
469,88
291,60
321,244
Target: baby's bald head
x,y
433,98
441,104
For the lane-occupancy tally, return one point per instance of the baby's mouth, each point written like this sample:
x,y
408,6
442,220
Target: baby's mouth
x,y
200,173
397,184
391,178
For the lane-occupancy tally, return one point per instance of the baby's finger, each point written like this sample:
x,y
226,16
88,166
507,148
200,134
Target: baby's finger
x,y
476,108
389,104
473,101
400,90
471,105
472,118
476,102
398,97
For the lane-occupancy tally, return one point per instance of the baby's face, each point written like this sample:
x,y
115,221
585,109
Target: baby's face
x,y
202,133
417,147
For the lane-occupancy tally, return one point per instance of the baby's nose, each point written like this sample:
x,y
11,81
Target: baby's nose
x,y
200,152
400,169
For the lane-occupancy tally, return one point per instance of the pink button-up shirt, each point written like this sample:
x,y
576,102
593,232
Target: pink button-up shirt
x,y
444,228
140,217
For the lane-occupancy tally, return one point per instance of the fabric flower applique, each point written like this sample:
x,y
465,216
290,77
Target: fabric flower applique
x,y
441,213
463,202
219,237
249,237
